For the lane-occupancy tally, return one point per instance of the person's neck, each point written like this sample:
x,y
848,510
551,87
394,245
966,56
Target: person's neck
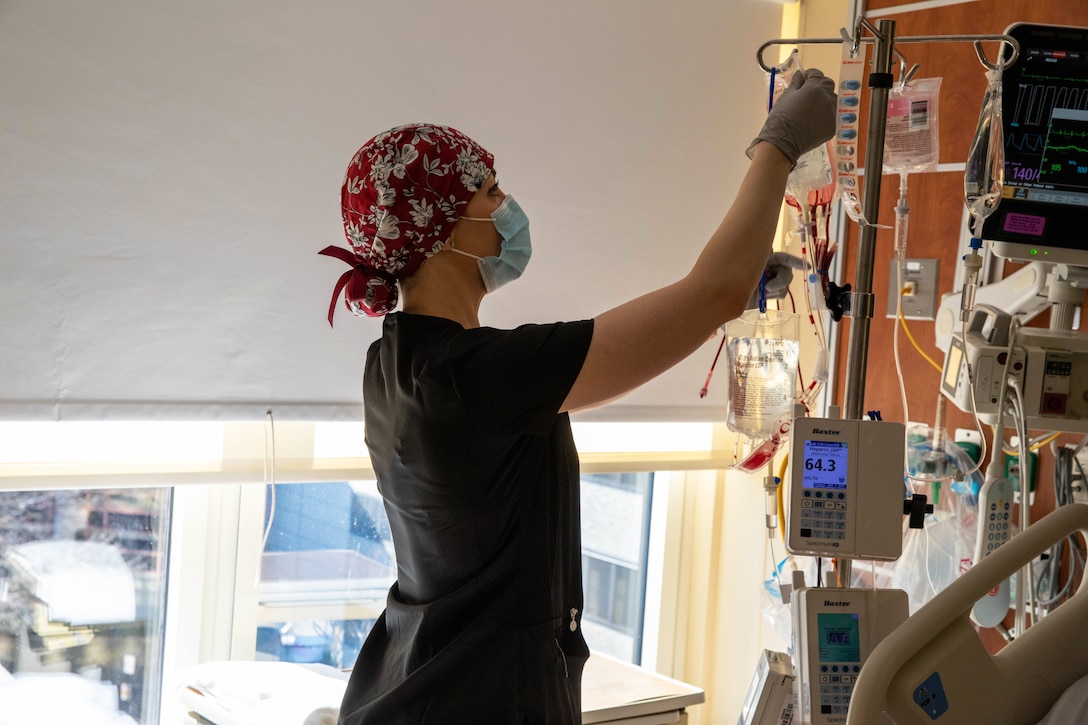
x,y
445,287
466,316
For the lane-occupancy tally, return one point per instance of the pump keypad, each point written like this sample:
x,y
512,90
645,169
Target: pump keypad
x,y
823,515
836,685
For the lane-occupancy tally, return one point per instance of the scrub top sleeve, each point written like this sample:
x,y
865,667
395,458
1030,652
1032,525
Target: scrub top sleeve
x,y
513,381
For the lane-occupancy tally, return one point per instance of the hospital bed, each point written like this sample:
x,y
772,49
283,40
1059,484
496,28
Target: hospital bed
x,y
935,669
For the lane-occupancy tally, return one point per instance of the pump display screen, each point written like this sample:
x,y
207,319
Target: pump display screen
x,y
826,465
952,366
1045,124
838,637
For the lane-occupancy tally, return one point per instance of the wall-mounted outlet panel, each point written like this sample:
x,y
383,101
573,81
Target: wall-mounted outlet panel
x,y
920,285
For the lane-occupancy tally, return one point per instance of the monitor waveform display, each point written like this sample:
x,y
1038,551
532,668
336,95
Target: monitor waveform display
x,y
1026,142
1035,102
1045,126
1065,158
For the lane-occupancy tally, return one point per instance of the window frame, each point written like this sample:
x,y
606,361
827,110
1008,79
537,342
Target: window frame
x,y
217,527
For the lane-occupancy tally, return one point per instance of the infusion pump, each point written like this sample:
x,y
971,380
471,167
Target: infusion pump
x,y
834,631
846,488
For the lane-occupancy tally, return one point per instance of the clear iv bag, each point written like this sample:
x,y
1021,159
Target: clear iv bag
x,y
984,176
763,353
812,172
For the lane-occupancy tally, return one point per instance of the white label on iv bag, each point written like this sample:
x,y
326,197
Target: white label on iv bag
x,y
763,374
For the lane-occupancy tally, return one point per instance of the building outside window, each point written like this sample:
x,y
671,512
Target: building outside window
x,y
328,557
615,547
326,567
82,603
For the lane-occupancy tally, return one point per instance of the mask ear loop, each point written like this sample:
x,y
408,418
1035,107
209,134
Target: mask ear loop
x,y
462,252
450,244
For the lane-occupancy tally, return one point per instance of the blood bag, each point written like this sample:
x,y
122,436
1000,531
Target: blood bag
x,y
763,454
763,349
911,140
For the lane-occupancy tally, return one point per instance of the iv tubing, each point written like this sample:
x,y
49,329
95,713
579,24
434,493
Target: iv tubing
x,y
974,412
900,249
901,213
862,298
1023,575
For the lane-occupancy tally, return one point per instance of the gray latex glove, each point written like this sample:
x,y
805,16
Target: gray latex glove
x,y
803,118
779,271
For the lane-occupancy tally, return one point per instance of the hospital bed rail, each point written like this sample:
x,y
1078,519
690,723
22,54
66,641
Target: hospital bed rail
x,y
935,669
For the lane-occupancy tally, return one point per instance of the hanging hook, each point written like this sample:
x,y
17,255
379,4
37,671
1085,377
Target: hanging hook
x,y
1005,64
904,78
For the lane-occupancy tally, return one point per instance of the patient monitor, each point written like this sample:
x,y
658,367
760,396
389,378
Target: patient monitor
x,y
1045,120
846,489
1041,220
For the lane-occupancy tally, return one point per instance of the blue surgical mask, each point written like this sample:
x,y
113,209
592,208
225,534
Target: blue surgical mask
x,y
514,253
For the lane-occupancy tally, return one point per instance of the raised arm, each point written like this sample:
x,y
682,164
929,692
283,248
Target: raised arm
x,y
639,340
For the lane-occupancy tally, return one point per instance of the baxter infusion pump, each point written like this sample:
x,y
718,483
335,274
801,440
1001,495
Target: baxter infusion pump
x,y
846,489
834,631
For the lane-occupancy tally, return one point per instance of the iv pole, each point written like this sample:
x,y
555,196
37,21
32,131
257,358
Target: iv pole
x,y
880,82
862,300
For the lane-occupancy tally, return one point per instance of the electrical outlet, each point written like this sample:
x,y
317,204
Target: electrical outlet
x,y
919,289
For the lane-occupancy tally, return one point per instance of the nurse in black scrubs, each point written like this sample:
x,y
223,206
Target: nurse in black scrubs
x,y
467,426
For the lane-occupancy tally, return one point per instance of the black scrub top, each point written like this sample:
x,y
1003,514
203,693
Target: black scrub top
x,y
480,480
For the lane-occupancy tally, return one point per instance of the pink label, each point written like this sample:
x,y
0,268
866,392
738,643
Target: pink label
x,y
1025,224
899,107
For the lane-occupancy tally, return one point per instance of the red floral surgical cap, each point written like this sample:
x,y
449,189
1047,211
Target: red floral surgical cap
x,y
403,192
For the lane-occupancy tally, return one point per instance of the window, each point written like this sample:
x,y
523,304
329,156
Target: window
x,y
615,548
328,562
241,565
326,566
82,599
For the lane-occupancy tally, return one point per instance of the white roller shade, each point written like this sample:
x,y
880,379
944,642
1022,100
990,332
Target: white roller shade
x,y
168,172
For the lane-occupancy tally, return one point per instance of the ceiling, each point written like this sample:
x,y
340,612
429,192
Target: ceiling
x,y
168,172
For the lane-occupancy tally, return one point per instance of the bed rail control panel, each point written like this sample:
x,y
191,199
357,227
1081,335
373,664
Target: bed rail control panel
x,y
846,488
994,529
834,631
